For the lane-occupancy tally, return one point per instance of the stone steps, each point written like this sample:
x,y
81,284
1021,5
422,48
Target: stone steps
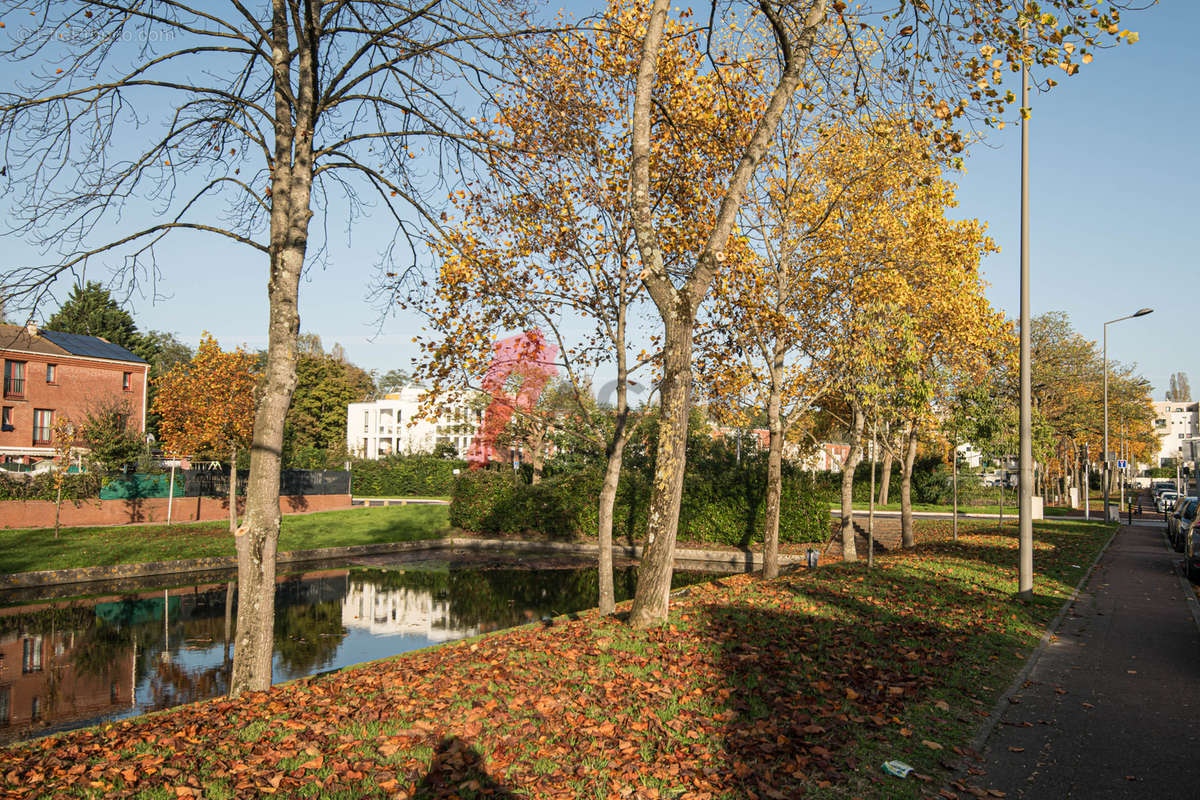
x,y
887,537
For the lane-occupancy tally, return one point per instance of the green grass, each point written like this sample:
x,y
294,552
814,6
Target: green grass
x,y
31,550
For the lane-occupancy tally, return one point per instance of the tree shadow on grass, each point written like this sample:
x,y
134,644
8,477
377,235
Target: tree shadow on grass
x,y
457,771
812,694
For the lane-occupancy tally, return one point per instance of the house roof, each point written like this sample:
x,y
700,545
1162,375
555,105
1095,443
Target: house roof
x,y
56,343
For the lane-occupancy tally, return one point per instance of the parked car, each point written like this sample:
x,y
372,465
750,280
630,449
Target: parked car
x,y
1167,500
1165,487
1178,520
1191,551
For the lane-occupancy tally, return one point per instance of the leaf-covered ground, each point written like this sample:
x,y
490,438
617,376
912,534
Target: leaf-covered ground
x,y
799,686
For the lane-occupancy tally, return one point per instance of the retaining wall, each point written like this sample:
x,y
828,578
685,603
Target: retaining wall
x,y
40,513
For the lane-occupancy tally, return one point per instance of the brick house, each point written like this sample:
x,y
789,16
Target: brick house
x,y
50,376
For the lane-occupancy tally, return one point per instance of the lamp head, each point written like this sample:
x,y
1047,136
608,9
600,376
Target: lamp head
x,y
1141,312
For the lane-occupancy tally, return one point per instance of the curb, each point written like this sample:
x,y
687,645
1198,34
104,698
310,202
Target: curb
x,y
83,575
747,558
980,740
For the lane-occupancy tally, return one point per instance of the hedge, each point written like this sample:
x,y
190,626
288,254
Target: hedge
x,y
404,476
721,504
29,486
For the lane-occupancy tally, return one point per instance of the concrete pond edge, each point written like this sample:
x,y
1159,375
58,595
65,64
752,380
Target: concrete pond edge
x,y
745,559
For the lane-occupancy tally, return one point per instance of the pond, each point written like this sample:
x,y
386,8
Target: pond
x,y
75,662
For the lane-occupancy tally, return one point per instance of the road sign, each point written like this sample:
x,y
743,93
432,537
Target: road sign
x,y
1122,464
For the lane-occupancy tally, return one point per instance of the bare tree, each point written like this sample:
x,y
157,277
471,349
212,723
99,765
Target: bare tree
x,y
143,120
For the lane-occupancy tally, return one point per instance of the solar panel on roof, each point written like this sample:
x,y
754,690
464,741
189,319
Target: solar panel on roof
x,y
80,345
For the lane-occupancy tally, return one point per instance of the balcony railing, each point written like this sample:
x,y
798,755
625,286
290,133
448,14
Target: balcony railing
x,y
14,388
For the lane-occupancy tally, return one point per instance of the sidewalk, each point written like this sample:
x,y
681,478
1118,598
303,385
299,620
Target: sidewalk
x,y
1112,707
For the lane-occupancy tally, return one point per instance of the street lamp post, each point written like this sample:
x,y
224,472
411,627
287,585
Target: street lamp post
x,y
1025,418
1141,312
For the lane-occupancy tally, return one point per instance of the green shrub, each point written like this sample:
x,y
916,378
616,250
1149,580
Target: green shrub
x,y
76,486
404,476
723,502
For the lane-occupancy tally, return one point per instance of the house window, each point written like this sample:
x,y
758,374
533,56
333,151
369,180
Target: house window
x,y
6,414
43,422
51,373
5,705
35,709
14,379
126,380
31,654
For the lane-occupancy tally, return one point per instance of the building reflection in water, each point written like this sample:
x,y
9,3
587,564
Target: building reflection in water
x,y
69,663
400,612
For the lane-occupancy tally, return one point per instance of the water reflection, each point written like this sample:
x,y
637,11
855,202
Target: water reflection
x,y
67,664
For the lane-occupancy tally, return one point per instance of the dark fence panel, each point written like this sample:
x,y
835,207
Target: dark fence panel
x,y
292,482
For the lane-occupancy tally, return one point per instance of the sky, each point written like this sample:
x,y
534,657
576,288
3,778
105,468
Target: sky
x,y
1114,168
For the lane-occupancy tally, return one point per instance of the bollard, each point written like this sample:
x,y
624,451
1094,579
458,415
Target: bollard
x,y
813,556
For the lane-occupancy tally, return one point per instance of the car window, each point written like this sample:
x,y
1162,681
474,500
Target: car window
x,y
1190,510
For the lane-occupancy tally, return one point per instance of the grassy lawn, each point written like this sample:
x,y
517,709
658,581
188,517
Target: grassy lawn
x,y
798,687
30,550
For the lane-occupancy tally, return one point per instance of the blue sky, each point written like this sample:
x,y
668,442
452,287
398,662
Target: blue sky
x,y
1114,214
1115,220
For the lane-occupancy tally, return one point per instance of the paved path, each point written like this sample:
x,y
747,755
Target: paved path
x,y
1112,707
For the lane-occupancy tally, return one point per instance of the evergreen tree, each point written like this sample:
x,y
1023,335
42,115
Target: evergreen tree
x,y
92,311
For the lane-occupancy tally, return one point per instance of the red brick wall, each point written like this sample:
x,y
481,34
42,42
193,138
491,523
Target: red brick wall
x,y
80,386
40,513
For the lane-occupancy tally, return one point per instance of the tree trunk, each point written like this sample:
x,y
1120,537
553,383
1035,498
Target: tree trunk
x,y
537,454
650,601
774,487
678,305
849,548
907,537
615,453
57,507
954,468
229,595
608,501
257,538
233,518
774,463
886,479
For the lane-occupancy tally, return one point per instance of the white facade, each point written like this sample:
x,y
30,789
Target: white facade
x,y
394,425
390,612
1176,423
970,455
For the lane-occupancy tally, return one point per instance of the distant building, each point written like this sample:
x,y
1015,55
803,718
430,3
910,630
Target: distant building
x,y
49,376
1176,423
394,425
970,455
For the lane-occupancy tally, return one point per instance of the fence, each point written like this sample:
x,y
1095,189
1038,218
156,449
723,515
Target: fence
x,y
215,483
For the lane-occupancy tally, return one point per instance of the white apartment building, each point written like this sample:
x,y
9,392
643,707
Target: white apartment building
x,y
394,425
1176,423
